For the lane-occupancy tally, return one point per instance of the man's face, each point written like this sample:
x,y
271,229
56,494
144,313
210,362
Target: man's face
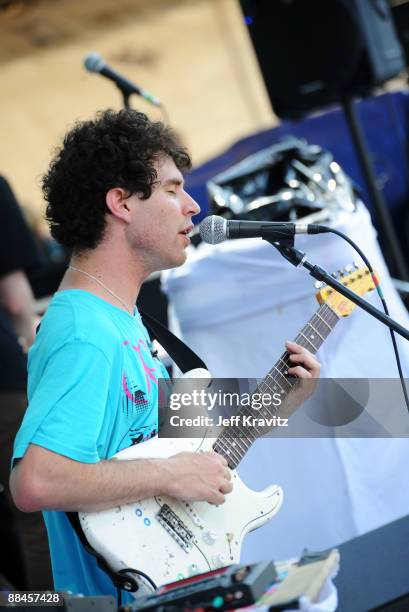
x,y
159,225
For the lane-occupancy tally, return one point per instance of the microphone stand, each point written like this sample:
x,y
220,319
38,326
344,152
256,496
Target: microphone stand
x,y
125,96
126,92
298,258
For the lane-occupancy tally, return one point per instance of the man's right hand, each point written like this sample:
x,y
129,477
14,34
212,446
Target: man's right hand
x,y
197,477
44,479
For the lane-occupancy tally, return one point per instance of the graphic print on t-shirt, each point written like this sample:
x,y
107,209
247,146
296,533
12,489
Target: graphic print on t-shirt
x,y
141,434
139,388
137,399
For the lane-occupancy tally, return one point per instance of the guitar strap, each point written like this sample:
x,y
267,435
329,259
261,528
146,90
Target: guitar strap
x,y
122,579
186,360
181,354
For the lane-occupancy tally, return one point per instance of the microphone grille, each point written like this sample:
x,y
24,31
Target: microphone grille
x,y
213,229
94,62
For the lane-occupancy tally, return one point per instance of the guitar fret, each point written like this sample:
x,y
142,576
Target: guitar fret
x,y
227,441
284,362
235,431
282,373
331,313
324,321
309,341
227,436
233,452
233,458
276,387
238,441
265,408
226,451
255,427
316,331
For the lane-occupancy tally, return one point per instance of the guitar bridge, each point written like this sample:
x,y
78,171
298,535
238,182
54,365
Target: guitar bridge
x,y
175,527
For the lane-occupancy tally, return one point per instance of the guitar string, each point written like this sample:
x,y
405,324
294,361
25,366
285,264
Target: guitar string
x,y
314,325
240,451
286,364
284,359
301,341
321,323
239,429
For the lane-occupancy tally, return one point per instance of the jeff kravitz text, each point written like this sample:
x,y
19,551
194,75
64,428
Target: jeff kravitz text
x,y
233,421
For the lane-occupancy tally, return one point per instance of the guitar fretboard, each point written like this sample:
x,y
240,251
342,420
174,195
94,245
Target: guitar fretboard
x,y
234,441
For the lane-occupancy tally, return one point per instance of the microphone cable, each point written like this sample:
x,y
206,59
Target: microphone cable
x,y
383,301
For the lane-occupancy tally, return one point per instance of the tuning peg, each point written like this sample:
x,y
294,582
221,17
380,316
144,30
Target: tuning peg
x,y
356,265
334,275
341,273
349,268
318,284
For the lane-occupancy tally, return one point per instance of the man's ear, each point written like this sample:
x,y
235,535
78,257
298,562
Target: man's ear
x,y
118,203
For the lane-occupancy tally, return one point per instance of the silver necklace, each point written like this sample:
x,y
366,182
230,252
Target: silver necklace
x,y
131,312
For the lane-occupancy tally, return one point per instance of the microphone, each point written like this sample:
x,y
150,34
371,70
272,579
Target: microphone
x,y
214,229
94,62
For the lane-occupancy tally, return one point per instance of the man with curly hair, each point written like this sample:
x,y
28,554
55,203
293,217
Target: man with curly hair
x,y
116,198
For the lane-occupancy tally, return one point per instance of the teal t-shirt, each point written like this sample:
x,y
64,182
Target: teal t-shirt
x,y
92,391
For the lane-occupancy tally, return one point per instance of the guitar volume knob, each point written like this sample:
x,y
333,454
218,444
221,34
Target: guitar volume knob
x,y
209,537
219,560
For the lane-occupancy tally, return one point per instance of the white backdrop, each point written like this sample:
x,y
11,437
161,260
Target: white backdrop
x,y
235,304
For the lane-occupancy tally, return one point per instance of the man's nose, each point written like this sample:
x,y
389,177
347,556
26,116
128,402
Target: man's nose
x,y
191,207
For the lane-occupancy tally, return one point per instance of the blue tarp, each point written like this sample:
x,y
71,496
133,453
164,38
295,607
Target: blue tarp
x,y
384,120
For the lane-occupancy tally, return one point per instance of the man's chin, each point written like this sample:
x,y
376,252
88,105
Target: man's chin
x,y
176,262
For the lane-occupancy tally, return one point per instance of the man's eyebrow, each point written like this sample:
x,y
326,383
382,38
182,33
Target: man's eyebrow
x,y
173,181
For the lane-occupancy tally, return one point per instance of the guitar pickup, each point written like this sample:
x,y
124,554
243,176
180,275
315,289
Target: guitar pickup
x,y
175,527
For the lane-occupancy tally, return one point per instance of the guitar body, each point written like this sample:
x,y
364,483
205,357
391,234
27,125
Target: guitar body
x,y
168,539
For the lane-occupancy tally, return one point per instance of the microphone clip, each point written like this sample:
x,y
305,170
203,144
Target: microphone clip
x,y
285,246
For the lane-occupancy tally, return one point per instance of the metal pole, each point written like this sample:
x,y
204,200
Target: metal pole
x,y
393,252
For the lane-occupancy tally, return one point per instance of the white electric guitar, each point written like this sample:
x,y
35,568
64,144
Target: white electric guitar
x,y
168,539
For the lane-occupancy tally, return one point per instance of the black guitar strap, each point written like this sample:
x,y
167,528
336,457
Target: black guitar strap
x,y
181,354
186,360
124,579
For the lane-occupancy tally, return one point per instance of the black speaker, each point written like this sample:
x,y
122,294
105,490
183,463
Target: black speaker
x,y
374,570
315,52
400,14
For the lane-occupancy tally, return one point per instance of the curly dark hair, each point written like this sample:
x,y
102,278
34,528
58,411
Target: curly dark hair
x,y
117,149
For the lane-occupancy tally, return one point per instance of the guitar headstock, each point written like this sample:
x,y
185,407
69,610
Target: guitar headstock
x,y
357,280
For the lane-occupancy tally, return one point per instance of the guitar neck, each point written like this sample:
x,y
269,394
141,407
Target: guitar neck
x,y
234,441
